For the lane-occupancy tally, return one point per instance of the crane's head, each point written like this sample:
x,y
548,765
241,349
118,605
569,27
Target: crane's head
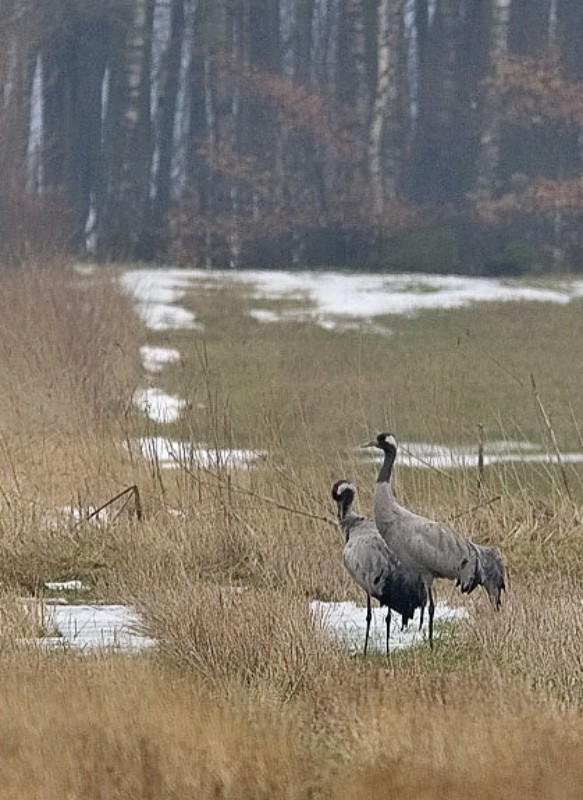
x,y
384,441
343,492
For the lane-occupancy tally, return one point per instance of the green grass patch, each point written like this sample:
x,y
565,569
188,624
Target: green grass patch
x,y
435,378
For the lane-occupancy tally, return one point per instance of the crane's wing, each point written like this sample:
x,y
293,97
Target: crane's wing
x,y
423,544
369,562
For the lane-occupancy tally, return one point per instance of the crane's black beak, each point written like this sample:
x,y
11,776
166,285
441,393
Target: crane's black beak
x,y
372,443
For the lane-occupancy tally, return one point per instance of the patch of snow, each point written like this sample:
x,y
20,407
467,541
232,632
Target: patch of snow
x,y
340,326
158,405
85,270
67,586
332,295
172,453
156,293
366,295
535,458
154,358
165,317
264,315
347,624
66,513
90,627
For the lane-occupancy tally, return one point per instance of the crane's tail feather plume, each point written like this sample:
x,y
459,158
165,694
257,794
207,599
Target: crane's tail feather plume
x,y
491,569
486,570
404,593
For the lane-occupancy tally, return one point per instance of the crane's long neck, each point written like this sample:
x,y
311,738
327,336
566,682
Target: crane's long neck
x,y
345,507
384,475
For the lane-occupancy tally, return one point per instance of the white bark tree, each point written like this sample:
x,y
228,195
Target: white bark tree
x,y
489,153
129,132
383,163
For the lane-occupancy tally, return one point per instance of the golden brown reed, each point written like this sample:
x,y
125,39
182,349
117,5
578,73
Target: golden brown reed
x,y
69,359
439,754
96,728
240,636
126,728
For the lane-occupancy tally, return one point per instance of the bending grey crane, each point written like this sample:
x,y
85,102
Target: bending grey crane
x,y
373,566
430,548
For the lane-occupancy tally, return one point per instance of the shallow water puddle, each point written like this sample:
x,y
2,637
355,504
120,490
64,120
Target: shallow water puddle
x,y
346,622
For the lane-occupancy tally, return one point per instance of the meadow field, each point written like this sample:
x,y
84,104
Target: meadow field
x,y
221,550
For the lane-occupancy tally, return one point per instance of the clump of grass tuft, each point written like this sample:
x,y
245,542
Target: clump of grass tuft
x,y
247,637
537,637
20,620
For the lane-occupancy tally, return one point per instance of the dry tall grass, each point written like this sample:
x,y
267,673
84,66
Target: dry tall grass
x,y
118,728
68,354
91,729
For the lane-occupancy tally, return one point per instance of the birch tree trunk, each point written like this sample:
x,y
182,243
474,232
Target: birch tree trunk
x,y
352,86
18,41
528,26
170,79
446,30
383,166
129,146
489,153
22,29
569,27
302,40
73,69
209,35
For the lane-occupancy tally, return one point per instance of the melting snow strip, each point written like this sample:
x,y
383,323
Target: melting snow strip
x,y
346,622
422,456
172,453
156,293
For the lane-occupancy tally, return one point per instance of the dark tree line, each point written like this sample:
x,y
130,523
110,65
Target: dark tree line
x,y
399,134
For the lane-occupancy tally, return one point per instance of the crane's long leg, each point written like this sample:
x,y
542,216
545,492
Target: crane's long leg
x,y
421,616
431,613
368,619
388,627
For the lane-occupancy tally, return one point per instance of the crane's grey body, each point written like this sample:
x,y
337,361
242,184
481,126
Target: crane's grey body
x,y
433,549
370,562
430,548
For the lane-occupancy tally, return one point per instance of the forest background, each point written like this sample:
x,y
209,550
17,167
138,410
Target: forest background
x,y
429,135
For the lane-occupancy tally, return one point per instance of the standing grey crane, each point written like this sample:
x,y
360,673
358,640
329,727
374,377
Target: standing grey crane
x,y
430,548
369,560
